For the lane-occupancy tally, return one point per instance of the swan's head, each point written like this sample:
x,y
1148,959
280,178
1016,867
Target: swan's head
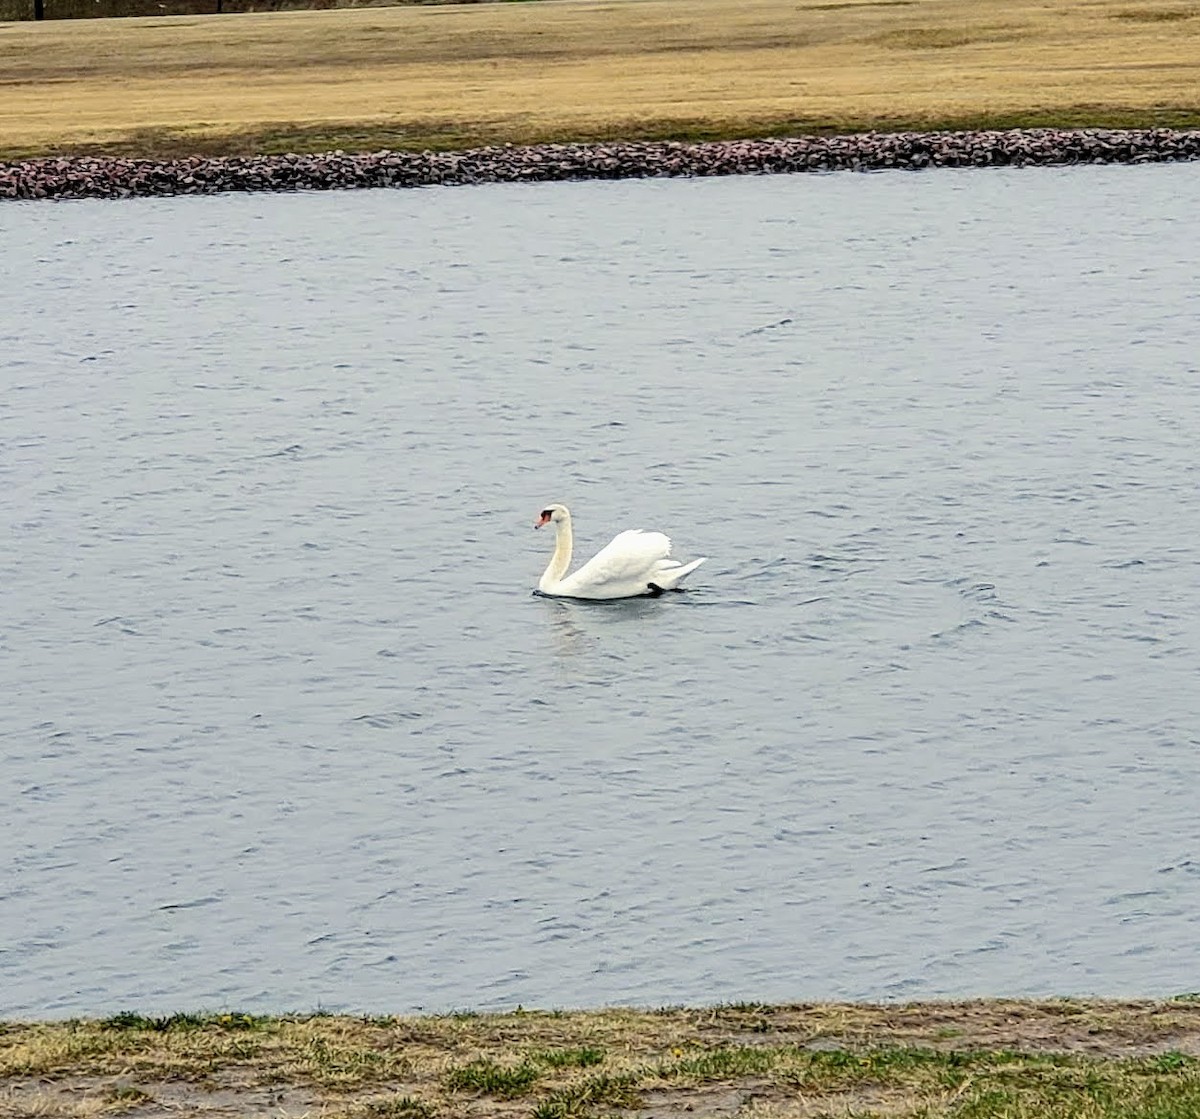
x,y
555,514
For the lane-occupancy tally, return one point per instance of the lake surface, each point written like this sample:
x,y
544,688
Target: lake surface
x,y
284,728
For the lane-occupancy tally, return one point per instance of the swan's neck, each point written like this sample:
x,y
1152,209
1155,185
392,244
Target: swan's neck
x,y
556,569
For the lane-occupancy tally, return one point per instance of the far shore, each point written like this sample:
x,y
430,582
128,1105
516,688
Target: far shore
x,y
113,177
451,78
986,1059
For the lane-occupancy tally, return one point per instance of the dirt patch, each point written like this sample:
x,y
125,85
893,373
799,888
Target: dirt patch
x,y
83,1096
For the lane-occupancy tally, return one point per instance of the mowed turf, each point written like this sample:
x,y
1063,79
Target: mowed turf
x,y
458,76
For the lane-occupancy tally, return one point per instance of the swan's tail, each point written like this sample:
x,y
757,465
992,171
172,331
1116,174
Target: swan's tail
x,y
669,578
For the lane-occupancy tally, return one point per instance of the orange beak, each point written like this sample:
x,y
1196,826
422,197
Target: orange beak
x,y
542,520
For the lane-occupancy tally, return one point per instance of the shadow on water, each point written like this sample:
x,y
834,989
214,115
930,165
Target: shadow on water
x,y
611,612
577,624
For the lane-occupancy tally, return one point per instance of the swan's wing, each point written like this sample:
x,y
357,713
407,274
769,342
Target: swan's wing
x,y
623,566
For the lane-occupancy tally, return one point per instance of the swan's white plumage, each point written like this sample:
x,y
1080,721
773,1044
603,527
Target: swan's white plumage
x,y
632,564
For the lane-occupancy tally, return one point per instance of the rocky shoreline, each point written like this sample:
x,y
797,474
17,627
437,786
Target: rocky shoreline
x,y
114,177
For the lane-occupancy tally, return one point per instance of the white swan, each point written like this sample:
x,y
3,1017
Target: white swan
x,y
632,564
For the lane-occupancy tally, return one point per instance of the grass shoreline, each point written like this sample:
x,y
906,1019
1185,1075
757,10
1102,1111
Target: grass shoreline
x,y
301,139
982,1059
450,78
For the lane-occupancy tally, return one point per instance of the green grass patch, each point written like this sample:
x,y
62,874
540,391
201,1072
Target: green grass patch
x,y
723,1064
402,1107
491,1078
1089,1090
584,1056
580,1100
334,1063
1001,1084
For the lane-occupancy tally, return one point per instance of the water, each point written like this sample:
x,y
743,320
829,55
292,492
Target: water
x,y
284,727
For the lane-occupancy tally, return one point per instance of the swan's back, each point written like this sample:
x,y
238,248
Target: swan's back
x,y
624,567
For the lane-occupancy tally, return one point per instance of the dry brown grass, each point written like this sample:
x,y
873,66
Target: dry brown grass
x,y
1004,1058
590,69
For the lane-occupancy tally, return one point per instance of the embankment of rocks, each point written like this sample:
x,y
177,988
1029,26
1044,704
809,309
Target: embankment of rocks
x,y
108,177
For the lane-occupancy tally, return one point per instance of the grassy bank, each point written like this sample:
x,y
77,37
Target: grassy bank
x,y
980,1060
461,76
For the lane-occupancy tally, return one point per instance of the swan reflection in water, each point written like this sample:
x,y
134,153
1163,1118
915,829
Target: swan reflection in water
x,y
576,625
